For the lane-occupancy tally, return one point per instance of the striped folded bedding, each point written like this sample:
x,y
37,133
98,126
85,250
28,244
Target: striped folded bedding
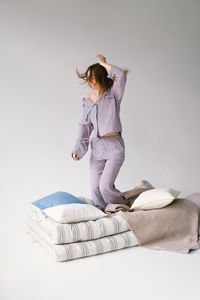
x,y
69,251
58,233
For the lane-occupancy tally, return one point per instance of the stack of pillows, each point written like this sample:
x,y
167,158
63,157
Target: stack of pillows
x,y
63,207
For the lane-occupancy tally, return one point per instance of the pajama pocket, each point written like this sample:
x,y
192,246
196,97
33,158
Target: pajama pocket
x,y
95,145
120,143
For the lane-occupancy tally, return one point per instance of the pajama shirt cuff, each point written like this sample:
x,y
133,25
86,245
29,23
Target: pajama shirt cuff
x,y
80,149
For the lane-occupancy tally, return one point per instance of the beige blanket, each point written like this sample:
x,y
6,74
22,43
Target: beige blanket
x,y
171,228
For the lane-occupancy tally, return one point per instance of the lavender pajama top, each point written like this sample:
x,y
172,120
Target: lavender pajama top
x,y
102,116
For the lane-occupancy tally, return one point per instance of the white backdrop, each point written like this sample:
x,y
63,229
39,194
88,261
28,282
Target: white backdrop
x,y
41,44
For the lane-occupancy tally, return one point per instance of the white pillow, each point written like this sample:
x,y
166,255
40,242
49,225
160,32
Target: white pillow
x,y
74,212
155,198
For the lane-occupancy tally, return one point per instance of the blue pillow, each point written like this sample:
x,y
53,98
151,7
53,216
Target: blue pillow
x,y
58,198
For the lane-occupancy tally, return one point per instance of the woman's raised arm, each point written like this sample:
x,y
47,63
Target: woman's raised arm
x,y
118,75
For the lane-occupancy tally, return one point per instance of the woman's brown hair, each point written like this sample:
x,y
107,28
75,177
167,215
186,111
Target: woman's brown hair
x,y
100,74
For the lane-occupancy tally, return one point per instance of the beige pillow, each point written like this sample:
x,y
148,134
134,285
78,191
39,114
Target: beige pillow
x,y
88,200
144,184
154,198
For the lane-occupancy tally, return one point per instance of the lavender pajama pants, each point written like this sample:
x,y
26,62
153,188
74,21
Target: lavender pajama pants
x,y
106,159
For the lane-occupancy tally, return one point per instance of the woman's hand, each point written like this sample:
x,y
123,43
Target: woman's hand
x,y
75,156
102,61
101,58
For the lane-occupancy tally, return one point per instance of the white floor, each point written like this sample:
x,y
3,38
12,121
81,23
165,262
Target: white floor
x,y
29,272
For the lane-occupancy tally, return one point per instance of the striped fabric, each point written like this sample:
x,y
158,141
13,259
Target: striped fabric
x,y
58,233
80,249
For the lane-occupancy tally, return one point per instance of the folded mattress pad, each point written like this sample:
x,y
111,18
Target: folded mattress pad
x,y
75,240
69,251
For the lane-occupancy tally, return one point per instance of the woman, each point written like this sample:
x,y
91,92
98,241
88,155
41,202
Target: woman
x,y
101,109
